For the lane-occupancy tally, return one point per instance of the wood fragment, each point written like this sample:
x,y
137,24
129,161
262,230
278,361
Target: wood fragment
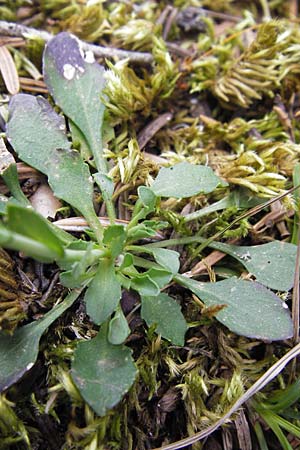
x,y
19,30
243,431
9,71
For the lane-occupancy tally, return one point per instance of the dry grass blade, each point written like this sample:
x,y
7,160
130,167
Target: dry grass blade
x,y
9,71
269,375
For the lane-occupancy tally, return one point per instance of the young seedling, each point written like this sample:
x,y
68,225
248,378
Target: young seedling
x,y
112,259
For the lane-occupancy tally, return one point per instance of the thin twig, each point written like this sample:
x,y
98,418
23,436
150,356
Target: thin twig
x,y
15,29
152,128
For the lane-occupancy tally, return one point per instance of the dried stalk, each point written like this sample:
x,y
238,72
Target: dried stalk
x,y
15,29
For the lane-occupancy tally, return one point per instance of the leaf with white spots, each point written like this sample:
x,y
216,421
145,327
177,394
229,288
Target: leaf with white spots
x,y
76,81
103,372
37,134
272,264
19,352
250,309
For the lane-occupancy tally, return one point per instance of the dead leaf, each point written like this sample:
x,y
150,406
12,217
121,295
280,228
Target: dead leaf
x,y
9,71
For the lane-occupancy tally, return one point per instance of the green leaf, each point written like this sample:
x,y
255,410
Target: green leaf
x,y
126,261
104,292
103,372
160,276
3,203
37,134
272,264
106,186
31,247
251,309
296,197
105,183
8,171
27,222
76,86
68,280
114,237
165,312
118,329
144,285
169,259
185,180
19,352
147,197
79,143
140,231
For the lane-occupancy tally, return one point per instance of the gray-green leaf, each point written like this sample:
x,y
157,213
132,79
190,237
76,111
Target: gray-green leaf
x,y
104,292
103,372
76,82
169,259
118,329
185,180
37,134
27,222
163,311
272,264
251,309
18,352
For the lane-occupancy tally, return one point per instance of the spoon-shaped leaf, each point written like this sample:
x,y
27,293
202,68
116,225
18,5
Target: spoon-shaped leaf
x,y
185,180
103,372
251,309
18,352
37,134
76,82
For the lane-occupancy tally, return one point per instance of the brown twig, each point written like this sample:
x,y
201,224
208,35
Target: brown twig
x,y
152,128
19,30
28,84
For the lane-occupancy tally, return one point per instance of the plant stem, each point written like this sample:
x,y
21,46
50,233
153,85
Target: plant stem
x,y
221,204
77,255
40,251
101,179
96,226
30,247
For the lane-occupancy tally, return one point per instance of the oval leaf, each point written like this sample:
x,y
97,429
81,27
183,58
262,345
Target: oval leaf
x,y
251,309
37,134
118,329
103,372
76,82
185,180
163,311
